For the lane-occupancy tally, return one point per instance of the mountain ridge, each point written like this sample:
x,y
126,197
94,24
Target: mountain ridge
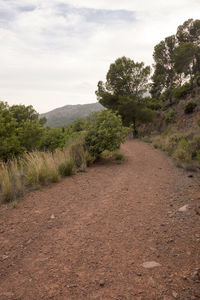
x,y
65,115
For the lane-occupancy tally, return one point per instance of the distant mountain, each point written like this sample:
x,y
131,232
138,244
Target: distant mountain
x,y
64,115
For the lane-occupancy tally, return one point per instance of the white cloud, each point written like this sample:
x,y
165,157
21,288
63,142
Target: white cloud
x,y
53,54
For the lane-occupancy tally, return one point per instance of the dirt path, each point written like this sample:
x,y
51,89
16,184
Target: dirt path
x,y
88,236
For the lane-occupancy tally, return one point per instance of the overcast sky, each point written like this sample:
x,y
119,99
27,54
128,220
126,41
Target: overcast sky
x,y
53,52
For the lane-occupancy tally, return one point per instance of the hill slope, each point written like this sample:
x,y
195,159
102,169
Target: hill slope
x,y
64,115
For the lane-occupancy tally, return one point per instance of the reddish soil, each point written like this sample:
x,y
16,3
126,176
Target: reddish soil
x,y
88,236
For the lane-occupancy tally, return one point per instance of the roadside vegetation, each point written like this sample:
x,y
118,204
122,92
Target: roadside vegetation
x,y
162,108
85,141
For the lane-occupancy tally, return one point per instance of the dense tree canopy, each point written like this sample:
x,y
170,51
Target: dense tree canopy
x,y
177,60
126,83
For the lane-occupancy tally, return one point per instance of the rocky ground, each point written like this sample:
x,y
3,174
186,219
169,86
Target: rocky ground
x,y
119,231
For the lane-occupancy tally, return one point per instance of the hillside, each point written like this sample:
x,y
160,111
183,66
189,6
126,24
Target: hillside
x,y
64,115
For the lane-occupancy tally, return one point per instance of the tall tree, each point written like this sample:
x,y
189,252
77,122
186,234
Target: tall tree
x,y
125,77
164,64
189,32
126,83
185,59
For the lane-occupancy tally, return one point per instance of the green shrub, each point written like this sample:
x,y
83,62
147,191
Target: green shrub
x,y
170,116
89,158
189,107
182,91
172,143
166,131
154,105
118,156
183,144
195,143
182,157
105,133
66,168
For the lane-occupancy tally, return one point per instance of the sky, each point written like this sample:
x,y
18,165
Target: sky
x,y
54,52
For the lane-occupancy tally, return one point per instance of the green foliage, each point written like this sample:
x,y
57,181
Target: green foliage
x,y
164,75
125,77
195,144
173,142
118,156
105,133
153,106
66,168
126,83
157,143
184,57
177,60
89,158
20,130
167,131
189,107
182,157
170,116
182,91
52,139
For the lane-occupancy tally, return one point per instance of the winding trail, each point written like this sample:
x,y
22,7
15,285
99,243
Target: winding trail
x,y
88,236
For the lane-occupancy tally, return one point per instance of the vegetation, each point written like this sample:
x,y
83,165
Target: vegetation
x,y
177,63
123,91
105,133
189,108
85,140
32,154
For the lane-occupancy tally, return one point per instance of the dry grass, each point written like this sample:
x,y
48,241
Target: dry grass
x,y
36,169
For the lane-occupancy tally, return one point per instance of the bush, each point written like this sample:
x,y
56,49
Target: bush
x,y
167,131
182,157
173,142
89,158
195,143
66,168
118,156
189,107
182,91
170,116
154,105
77,154
105,133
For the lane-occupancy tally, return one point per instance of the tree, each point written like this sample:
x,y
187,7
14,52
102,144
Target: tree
x,y
126,83
20,130
133,112
125,77
185,59
164,68
105,133
52,139
189,32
